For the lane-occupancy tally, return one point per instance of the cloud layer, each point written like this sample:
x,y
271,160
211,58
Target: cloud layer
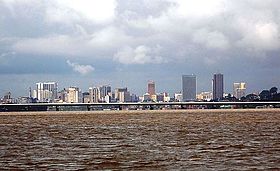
x,y
205,36
92,28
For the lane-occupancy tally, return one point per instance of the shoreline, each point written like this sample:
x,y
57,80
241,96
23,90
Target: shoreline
x,y
124,112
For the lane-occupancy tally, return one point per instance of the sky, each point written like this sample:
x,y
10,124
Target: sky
x,y
125,43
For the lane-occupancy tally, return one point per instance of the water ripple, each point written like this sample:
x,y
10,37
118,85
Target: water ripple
x,y
219,140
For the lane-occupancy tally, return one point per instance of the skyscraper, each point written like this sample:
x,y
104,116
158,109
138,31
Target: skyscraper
x,y
189,87
104,91
218,86
239,90
124,96
118,91
94,94
151,88
73,95
46,92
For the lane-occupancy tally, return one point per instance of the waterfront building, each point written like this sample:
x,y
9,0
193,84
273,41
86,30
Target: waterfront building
x,y
8,98
160,97
108,99
166,97
61,95
25,100
118,91
86,97
141,98
154,97
204,96
73,95
94,94
146,97
178,97
34,94
46,92
239,90
103,92
218,86
124,96
189,87
151,88
134,98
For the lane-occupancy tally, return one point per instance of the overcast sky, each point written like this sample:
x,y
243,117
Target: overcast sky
x,y
128,42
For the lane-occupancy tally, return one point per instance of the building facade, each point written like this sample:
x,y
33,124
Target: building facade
x,y
239,90
189,87
178,97
73,95
46,92
86,97
103,92
151,88
218,86
94,94
204,96
124,96
117,93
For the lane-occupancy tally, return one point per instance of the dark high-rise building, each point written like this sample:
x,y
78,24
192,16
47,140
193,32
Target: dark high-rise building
x,y
218,86
189,87
151,88
104,91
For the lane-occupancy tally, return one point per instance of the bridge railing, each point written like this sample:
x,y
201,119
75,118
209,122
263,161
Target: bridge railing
x,y
133,106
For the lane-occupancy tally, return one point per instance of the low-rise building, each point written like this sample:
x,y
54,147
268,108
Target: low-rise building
x,y
205,96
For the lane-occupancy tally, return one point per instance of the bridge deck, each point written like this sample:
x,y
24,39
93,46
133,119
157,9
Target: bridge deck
x,y
120,106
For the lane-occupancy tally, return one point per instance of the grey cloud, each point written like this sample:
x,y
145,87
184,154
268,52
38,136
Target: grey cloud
x,y
140,55
220,25
215,40
193,35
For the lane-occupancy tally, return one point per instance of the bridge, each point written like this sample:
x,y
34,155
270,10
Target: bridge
x,y
133,106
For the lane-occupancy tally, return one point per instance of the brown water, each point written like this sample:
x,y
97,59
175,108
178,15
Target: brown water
x,y
143,140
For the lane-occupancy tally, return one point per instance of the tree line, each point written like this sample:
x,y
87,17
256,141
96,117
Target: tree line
x,y
265,95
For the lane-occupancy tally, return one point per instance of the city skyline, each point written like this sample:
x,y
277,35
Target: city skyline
x,y
105,88
125,43
48,92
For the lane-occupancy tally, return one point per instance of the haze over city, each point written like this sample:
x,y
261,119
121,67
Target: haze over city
x,y
126,43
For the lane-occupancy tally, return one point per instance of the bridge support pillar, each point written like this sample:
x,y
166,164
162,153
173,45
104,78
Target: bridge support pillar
x,y
56,108
182,107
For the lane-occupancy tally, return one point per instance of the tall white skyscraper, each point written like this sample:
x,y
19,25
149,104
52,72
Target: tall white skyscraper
x,y
46,92
189,87
218,86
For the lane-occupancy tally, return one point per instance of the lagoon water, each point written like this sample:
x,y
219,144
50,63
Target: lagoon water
x,y
141,140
